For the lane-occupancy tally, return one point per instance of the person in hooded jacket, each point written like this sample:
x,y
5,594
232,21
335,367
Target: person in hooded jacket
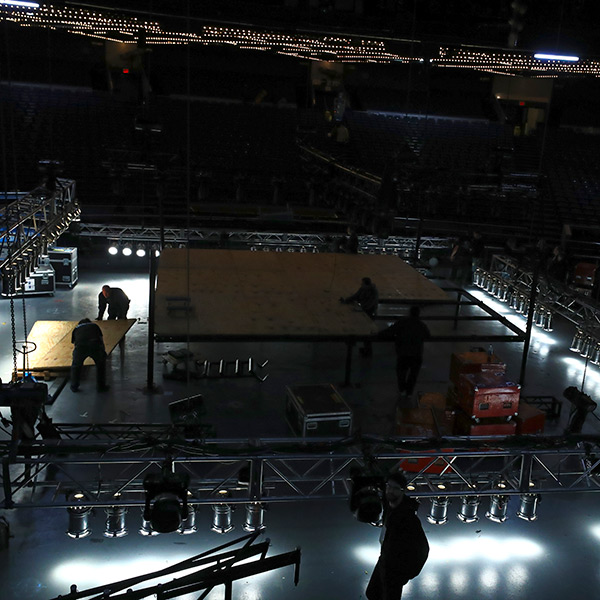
x,y
404,545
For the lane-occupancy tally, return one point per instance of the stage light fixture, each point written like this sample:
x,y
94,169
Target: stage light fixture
x,y
468,509
366,497
115,522
146,529
528,508
498,508
78,516
127,250
222,515
438,515
586,347
188,525
156,250
577,342
140,250
113,248
595,357
166,499
255,516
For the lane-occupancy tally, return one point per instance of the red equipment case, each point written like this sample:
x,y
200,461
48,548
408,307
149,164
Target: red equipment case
x,y
473,362
530,419
485,395
494,426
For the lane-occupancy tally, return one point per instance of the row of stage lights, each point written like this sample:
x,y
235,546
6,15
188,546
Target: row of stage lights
x,y
586,345
127,249
504,291
115,525
497,512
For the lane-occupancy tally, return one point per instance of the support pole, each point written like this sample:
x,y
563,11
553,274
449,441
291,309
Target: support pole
x,y
532,298
457,311
150,385
349,345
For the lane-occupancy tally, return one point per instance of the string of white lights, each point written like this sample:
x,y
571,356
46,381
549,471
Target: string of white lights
x,y
125,29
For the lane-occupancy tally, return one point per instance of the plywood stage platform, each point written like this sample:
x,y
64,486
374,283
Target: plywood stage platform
x,y
54,349
221,294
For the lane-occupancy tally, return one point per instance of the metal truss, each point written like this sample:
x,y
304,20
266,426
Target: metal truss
x,y
108,463
31,223
308,242
220,566
581,310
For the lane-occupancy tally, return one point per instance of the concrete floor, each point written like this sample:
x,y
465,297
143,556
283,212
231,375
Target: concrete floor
x,y
555,557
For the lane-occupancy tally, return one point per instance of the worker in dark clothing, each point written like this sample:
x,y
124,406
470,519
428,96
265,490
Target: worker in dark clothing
x,y
409,334
404,546
367,296
88,341
116,300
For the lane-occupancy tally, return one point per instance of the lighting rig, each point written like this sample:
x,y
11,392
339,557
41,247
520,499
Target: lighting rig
x,y
29,225
510,284
351,48
176,480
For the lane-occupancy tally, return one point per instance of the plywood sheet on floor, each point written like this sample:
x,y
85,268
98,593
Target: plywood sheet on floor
x,y
276,294
53,342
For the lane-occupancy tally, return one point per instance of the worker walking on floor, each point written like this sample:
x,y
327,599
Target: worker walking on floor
x,y
409,334
87,341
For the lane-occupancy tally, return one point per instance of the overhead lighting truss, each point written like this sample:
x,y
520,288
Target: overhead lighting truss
x,y
312,45
33,222
369,244
108,463
581,310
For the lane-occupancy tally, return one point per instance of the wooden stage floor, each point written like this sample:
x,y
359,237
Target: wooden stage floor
x,y
227,294
54,349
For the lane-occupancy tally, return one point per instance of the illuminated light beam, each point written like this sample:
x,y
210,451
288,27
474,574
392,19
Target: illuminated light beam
x,y
19,3
461,549
563,57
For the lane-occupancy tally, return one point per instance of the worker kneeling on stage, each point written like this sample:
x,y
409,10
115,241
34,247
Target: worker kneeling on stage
x,y
116,300
88,341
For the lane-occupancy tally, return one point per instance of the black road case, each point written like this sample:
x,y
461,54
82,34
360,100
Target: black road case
x,y
317,411
64,261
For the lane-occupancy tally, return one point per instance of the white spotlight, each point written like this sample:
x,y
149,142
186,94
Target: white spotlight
x,y
498,508
140,250
438,514
468,510
255,514
528,509
113,249
78,517
115,522
127,249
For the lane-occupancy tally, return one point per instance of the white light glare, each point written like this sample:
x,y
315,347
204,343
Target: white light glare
x,y
20,3
112,250
464,550
556,57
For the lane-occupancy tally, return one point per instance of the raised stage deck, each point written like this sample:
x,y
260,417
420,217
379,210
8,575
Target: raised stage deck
x,y
54,349
221,294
